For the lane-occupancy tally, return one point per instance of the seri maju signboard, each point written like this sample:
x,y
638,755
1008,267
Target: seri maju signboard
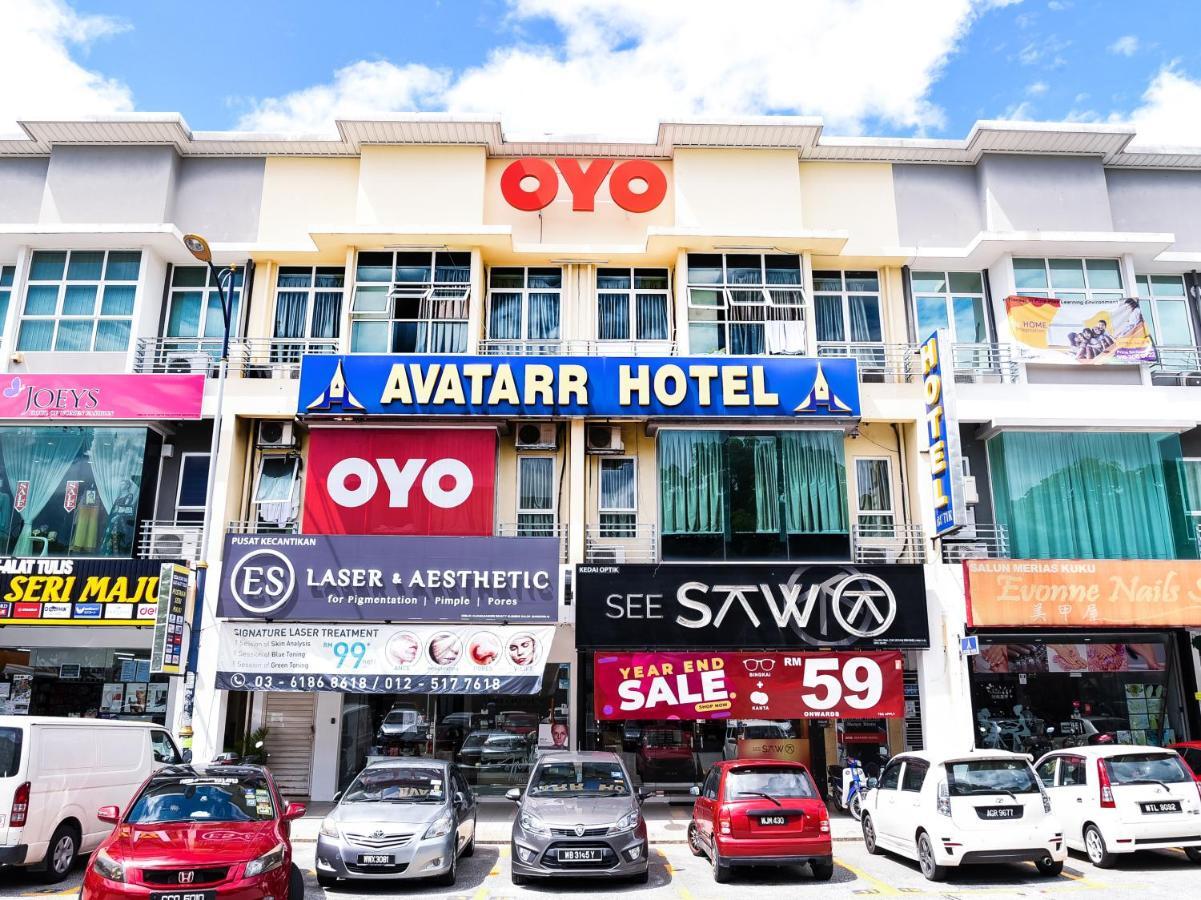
x,y
42,591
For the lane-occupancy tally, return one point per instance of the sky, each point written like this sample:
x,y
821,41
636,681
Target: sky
x,y
570,68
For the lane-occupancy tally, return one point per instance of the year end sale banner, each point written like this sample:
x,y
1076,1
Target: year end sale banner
x,y
1080,331
694,686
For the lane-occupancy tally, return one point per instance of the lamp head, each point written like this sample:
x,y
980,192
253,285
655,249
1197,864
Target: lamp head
x,y
198,247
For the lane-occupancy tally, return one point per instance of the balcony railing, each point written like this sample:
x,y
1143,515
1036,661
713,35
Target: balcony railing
x,y
883,543
164,539
876,362
1177,366
248,357
985,363
250,526
577,348
976,542
621,543
523,529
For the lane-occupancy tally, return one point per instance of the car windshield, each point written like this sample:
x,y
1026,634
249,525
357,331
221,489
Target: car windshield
x,y
10,751
991,776
476,739
202,798
775,781
664,738
398,784
1139,768
763,732
400,717
579,779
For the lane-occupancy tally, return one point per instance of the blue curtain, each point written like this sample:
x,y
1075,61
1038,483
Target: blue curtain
x,y
327,314
692,480
815,482
613,317
544,317
652,317
291,308
747,339
827,309
865,318
505,320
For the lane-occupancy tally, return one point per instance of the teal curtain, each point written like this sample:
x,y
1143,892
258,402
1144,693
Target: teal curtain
x,y
41,457
815,482
767,490
1085,495
692,482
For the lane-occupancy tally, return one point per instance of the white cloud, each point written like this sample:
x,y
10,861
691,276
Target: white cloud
x,y
624,65
39,75
1126,45
1168,114
1037,89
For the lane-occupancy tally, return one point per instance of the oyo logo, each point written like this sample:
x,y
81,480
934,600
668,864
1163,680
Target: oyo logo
x,y
531,184
262,581
445,483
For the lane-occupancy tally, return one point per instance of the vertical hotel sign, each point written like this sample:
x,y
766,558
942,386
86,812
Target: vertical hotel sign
x,y
942,431
170,626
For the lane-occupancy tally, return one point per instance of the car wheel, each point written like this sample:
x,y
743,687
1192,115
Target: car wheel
x,y
1193,853
869,837
694,841
295,883
925,859
1094,846
326,881
823,869
721,870
1049,867
61,853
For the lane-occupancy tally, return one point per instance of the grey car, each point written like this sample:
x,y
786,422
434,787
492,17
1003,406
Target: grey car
x,y
403,818
579,816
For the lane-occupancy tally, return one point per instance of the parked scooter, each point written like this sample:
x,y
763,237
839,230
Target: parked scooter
x,y
257,758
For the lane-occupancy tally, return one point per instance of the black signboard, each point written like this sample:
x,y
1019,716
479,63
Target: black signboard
x,y
750,606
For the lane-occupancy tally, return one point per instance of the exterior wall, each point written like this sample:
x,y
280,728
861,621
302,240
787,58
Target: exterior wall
x,y
937,205
1042,193
300,193
109,184
426,187
22,183
1144,200
854,197
733,192
219,198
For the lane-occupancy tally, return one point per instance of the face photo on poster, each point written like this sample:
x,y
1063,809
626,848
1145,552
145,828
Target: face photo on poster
x,y
156,698
135,698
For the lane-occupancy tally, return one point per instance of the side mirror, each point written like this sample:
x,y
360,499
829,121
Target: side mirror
x,y
513,794
337,796
872,782
643,795
460,799
695,790
187,756
295,811
109,814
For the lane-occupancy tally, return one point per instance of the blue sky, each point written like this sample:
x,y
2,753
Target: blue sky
x,y
890,67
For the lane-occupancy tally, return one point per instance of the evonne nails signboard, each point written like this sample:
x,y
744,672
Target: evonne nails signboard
x,y
76,397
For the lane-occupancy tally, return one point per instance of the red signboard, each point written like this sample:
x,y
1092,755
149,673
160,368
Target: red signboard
x,y
402,481
531,184
702,685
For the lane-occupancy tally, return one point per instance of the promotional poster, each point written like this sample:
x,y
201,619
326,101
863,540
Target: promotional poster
x,y
383,659
1079,330
700,685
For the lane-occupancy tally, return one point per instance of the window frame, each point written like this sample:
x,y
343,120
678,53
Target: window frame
x,y
422,291
525,290
208,291
293,495
1090,293
798,311
948,297
913,764
844,294
617,529
8,278
96,317
179,482
891,512
309,303
536,528
1152,302
631,294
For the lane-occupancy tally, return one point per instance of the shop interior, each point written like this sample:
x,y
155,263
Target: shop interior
x,y
87,682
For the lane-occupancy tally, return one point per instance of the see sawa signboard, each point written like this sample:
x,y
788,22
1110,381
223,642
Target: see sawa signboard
x,y
783,387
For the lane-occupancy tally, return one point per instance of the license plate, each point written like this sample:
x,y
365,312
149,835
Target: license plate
x,y
1163,806
374,859
999,812
773,820
587,855
183,895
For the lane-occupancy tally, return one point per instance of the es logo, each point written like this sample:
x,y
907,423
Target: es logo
x,y
445,483
262,581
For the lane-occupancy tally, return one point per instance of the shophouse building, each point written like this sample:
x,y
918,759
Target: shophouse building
x,y
508,428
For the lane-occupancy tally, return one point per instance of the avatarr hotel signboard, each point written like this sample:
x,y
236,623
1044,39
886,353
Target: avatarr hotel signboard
x,y
703,386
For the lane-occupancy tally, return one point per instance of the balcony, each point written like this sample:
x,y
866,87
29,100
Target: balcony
x,y
250,526
577,348
164,539
248,357
621,543
875,544
876,362
976,542
1177,366
985,363
526,529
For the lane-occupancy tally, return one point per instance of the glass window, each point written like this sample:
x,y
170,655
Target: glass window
x,y
308,308
873,483
7,274
990,776
618,503
175,798
915,774
193,487
1164,304
890,778
61,310
403,302
1046,771
745,304
164,748
397,784
709,791
535,495
953,300
524,305
847,307
1068,279
570,780
1147,768
10,751
276,498
633,304
194,307
780,782
1072,772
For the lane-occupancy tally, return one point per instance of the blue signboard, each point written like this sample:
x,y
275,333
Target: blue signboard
x,y
691,386
942,430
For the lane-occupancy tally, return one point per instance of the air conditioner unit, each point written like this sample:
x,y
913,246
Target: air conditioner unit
x,y
971,496
604,555
188,363
182,544
604,439
537,436
276,434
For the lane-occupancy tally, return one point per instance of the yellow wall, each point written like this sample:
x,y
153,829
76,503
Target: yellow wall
x,y
301,193
416,186
738,191
855,197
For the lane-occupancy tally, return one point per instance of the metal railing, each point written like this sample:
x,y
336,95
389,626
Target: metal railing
x,y
253,526
876,362
524,529
492,347
1177,366
248,357
888,543
621,543
985,363
976,542
165,539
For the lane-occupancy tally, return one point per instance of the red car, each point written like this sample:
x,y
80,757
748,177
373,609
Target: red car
x,y
665,754
1191,752
760,812
198,833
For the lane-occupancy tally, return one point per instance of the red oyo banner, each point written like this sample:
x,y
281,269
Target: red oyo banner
x,y
701,685
403,481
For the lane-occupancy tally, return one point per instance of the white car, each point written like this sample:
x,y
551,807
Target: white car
x,y
1121,798
984,806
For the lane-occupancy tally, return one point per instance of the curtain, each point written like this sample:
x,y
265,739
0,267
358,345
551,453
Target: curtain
x,y
505,321
652,317
116,455
291,309
1191,484
544,317
613,317
42,457
447,337
747,339
276,496
1083,495
537,483
35,334
691,482
784,336
865,318
617,484
828,312
327,314
767,486
815,482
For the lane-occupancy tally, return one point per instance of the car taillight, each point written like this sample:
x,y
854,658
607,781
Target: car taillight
x,y
1106,788
723,821
20,810
944,799
824,825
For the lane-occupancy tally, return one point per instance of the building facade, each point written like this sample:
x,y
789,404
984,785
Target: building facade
x,y
519,444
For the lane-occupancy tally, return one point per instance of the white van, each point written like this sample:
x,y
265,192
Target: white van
x,y
55,773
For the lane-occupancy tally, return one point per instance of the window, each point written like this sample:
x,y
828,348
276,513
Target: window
x,y
79,300
873,483
524,303
709,791
915,774
632,304
991,776
1068,279
1190,482
195,304
7,273
535,496
193,487
410,302
275,496
745,304
308,304
1072,772
847,307
1046,772
618,497
891,776
952,300
1165,307
1192,756
164,748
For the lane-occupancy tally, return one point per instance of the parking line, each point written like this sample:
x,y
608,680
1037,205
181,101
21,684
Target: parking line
x,y
483,892
881,887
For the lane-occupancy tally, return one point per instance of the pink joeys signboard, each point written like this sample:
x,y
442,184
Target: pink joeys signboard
x,y
102,397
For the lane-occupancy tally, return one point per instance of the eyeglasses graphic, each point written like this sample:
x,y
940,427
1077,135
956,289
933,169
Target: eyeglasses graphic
x,y
759,665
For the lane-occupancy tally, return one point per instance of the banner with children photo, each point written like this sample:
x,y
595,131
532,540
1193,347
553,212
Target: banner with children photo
x,y
1062,330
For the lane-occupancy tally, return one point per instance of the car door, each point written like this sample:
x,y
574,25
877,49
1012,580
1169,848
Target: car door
x,y
1070,798
885,812
907,808
465,813
704,811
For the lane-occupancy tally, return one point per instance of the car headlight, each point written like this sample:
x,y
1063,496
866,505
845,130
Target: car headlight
x,y
107,867
533,824
272,859
441,826
329,828
628,821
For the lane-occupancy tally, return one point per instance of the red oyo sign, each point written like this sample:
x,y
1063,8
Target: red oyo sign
x,y
710,685
418,481
636,185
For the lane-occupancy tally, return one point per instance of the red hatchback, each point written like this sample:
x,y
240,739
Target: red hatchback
x,y
1190,751
194,833
760,812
